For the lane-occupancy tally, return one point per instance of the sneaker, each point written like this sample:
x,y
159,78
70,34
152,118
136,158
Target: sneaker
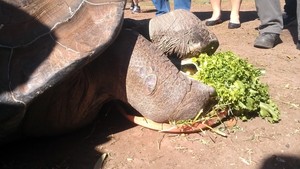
x,y
136,9
288,20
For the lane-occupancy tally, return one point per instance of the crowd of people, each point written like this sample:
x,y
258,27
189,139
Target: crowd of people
x,y
269,12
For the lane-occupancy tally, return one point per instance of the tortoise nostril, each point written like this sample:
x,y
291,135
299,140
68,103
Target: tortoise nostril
x,y
212,91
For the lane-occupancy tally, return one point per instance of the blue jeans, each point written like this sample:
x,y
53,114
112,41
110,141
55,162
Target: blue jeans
x,y
182,4
163,6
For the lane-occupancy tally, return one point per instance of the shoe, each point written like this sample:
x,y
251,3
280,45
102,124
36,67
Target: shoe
x,y
213,22
298,45
233,25
266,40
136,9
288,20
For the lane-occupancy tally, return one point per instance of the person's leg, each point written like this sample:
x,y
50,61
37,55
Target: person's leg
x,y
235,11
270,15
136,8
290,7
235,14
162,6
131,5
289,16
135,2
216,8
298,19
182,4
216,15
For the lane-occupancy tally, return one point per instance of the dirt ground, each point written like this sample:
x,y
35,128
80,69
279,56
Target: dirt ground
x,y
255,144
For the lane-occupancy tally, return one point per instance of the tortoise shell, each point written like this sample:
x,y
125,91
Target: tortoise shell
x,y
44,41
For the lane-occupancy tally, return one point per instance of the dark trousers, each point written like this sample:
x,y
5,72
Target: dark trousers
x,y
290,7
298,19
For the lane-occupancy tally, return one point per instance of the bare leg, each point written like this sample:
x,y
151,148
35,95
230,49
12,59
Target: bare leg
x,y
235,9
216,6
136,2
136,7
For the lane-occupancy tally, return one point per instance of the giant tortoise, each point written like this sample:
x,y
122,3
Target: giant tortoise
x,y
61,61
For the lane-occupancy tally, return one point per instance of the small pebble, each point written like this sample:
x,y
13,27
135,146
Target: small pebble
x,y
287,145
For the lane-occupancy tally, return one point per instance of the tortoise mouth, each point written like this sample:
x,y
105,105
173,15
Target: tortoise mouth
x,y
188,67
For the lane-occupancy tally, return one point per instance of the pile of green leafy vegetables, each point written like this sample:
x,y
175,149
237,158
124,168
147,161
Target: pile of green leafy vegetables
x,y
237,84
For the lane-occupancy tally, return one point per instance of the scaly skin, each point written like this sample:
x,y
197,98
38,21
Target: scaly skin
x,y
131,70
59,76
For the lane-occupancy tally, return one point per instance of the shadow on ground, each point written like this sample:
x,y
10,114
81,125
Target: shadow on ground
x,y
75,150
245,16
281,162
16,66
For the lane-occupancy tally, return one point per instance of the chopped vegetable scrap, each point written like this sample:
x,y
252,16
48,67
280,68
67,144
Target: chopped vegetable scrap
x,y
237,84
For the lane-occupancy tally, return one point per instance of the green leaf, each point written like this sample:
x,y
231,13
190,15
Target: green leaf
x,y
237,85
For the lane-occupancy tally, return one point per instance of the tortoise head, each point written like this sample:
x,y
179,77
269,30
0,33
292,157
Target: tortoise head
x,y
182,34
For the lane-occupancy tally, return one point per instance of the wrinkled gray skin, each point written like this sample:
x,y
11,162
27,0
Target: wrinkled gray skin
x,y
138,75
55,98
182,34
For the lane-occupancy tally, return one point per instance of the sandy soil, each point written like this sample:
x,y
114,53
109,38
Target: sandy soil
x,y
255,144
